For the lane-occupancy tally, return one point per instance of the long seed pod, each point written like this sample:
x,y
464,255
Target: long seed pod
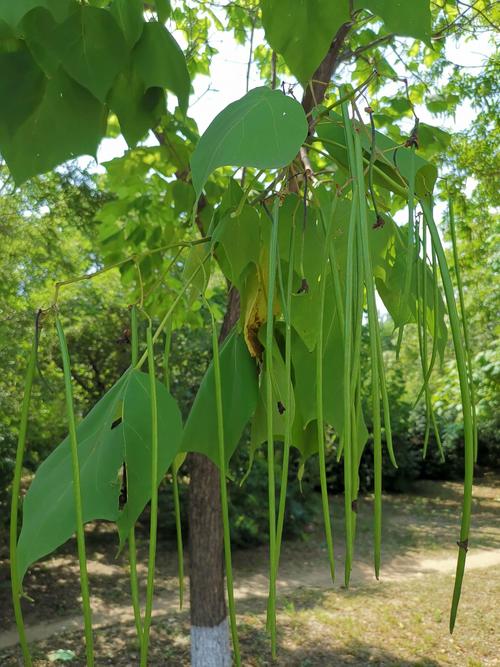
x,y
350,298
465,326
287,310
374,347
80,533
319,406
175,474
154,499
410,243
223,489
435,327
466,406
132,548
270,430
16,488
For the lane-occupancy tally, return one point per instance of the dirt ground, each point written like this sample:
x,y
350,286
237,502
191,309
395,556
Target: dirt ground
x,y
401,620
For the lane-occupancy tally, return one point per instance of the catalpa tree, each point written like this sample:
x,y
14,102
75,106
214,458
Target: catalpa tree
x,y
292,203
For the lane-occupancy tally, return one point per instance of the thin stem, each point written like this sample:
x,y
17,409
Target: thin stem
x,y
154,498
14,508
80,533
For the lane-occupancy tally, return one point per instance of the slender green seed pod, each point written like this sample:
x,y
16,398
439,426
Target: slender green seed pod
x,y
223,489
14,507
80,533
319,411
175,472
465,326
132,548
270,429
374,347
410,243
435,327
153,526
466,405
350,298
287,300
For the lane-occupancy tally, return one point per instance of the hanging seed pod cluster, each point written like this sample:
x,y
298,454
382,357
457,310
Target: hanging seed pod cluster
x,y
309,255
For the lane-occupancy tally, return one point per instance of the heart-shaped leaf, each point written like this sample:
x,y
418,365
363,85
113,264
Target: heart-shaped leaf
x,y
263,129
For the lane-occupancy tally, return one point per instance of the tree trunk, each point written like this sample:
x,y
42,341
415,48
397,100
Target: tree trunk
x,y
209,626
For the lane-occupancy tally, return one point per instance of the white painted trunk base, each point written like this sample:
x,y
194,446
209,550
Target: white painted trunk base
x,y
210,646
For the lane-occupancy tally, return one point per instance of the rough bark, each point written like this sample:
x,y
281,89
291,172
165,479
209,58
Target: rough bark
x,y
209,631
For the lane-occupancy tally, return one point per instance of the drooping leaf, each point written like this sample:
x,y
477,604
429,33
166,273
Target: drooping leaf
x,y
263,129
239,236
303,30
161,63
13,11
129,14
22,86
41,143
163,9
239,396
91,48
137,444
408,19
49,507
137,108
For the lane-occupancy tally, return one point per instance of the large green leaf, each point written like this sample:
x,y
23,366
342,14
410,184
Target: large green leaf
x,y
91,47
263,129
137,439
22,86
239,397
129,15
410,19
68,122
137,108
12,11
161,63
49,506
303,30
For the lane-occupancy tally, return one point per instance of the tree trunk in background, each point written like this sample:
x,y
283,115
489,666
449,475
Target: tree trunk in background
x,y
209,626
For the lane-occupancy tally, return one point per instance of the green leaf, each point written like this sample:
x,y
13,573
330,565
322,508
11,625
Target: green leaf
x,y
137,443
129,14
302,31
41,143
91,48
49,506
163,9
408,19
239,397
12,11
137,108
263,129
22,86
161,63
